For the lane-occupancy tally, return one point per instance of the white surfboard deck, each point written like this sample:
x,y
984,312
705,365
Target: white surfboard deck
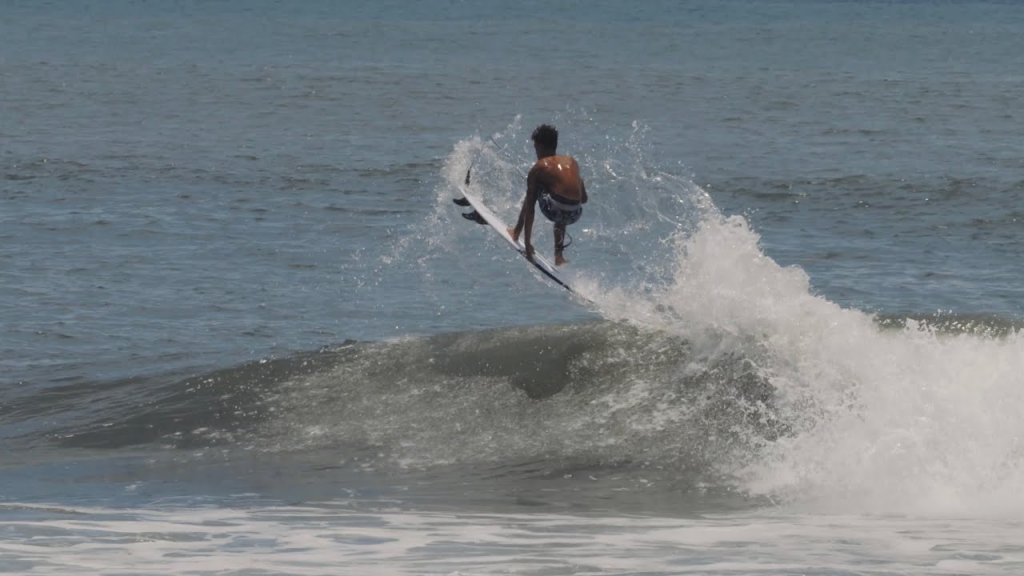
x,y
538,261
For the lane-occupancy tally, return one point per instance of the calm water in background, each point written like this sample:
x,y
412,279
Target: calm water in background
x,y
243,330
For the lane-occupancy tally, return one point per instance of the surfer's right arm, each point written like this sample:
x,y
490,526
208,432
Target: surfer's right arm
x,y
525,221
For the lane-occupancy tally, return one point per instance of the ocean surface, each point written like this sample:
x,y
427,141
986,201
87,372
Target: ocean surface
x,y
243,330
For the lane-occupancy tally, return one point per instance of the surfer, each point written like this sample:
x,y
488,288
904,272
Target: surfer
x,y
554,183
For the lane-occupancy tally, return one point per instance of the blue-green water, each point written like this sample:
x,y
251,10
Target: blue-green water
x,y
243,329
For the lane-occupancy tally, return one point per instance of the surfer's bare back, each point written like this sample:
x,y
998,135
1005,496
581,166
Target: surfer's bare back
x,y
554,182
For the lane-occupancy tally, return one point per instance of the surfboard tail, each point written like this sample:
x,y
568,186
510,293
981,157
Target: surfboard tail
x,y
475,216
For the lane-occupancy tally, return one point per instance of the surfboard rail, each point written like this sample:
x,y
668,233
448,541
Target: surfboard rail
x,y
539,262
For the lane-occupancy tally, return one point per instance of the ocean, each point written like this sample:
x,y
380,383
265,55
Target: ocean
x,y
243,329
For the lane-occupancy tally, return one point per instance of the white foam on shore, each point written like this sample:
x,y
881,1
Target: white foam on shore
x,y
342,539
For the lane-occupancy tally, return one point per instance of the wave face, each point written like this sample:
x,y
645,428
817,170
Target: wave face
x,y
601,394
803,403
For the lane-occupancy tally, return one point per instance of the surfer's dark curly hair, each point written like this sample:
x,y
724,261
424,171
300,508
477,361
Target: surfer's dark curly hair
x,y
546,135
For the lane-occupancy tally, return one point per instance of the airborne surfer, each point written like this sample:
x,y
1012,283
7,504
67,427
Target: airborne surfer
x,y
555,184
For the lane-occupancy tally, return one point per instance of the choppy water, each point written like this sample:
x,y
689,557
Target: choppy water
x,y
243,330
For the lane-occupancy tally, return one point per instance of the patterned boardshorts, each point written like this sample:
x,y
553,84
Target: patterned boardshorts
x,y
558,212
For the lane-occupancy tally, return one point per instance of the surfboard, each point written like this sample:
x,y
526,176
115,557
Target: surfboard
x,y
489,218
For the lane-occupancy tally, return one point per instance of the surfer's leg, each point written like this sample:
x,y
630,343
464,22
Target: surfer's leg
x,y
559,244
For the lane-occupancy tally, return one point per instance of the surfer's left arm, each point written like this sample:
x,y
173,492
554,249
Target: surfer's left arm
x,y
583,191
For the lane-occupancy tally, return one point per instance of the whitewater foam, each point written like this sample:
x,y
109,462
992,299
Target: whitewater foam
x,y
912,420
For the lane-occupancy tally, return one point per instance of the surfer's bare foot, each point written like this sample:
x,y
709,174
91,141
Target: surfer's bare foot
x,y
515,235
559,260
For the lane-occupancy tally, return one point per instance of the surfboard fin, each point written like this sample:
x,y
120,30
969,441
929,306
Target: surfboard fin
x,y
475,217
460,201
